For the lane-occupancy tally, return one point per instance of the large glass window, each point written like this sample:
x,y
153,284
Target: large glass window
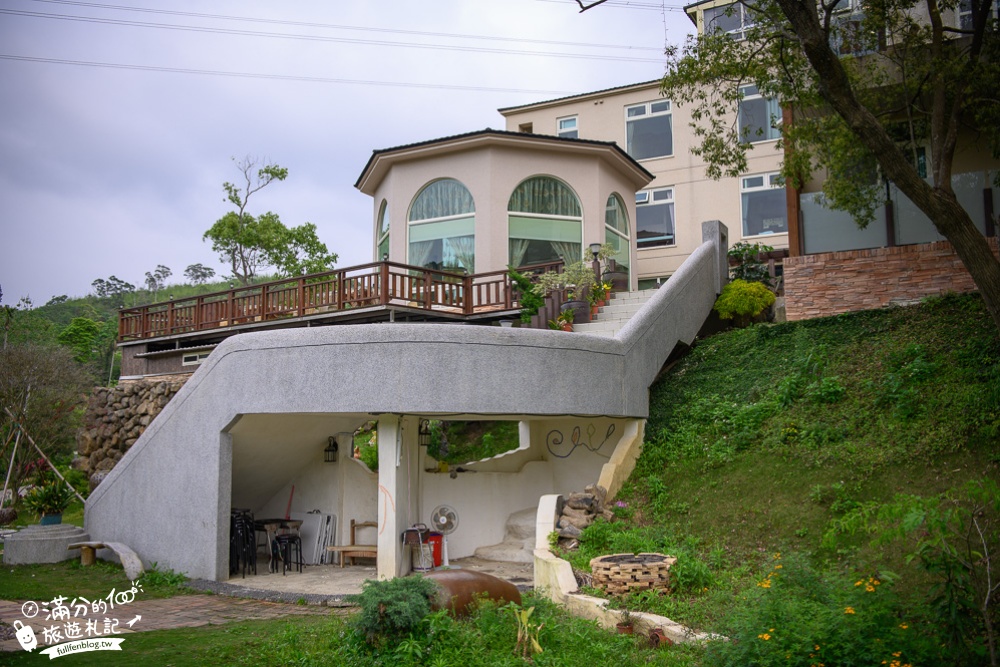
x,y
545,223
654,218
760,116
442,227
569,127
763,203
734,19
965,14
616,229
382,232
648,130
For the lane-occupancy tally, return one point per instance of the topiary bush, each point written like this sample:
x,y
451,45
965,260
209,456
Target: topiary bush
x,y
742,301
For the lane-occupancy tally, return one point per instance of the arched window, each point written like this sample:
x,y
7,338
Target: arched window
x,y
544,223
382,232
442,227
616,231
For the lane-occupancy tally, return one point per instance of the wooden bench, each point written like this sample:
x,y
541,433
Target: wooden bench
x,y
354,550
130,559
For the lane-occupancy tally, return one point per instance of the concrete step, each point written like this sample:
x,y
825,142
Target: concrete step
x,y
43,544
518,544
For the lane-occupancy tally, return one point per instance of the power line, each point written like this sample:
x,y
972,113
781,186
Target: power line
x,y
332,26
277,77
629,4
319,38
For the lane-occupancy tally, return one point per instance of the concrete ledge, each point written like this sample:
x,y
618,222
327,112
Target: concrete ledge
x,y
554,576
617,470
42,544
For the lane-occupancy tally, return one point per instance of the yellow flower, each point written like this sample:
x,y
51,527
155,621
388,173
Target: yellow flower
x,y
903,626
778,566
764,636
858,583
766,583
849,610
870,588
816,647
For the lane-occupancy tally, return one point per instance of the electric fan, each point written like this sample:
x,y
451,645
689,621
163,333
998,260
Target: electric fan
x,y
445,520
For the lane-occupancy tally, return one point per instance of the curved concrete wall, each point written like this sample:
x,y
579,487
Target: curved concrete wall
x,y
169,497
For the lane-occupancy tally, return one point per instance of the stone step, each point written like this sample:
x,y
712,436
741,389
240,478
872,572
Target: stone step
x,y
43,544
518,544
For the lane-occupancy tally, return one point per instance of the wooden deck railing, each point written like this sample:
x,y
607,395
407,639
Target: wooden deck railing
x,y
374,284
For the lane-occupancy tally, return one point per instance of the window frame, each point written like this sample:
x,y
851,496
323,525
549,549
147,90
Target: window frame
x,y
650,199
647,113
194,358
772,180
739,34
623,237
773,121
571,132
382,229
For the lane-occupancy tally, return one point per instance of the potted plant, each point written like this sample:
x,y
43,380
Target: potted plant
x,y
626,625
563,322
49,501
577,280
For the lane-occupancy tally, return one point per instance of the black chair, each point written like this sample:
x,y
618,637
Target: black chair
x,y
286,542
242,542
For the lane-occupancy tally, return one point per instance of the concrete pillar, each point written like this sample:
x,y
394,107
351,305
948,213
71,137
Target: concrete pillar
x,y
397,491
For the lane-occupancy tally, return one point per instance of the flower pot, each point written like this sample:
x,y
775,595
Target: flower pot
x,y
625,628
657,638
581,311
566,326
50,519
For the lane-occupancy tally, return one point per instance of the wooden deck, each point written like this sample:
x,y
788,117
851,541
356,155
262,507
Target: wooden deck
x,y
374,284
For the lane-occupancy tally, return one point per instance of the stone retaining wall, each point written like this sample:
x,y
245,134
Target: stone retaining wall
x,y
831,283
115,419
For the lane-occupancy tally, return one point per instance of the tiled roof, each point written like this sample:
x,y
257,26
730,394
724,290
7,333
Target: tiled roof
x,y
571,97
490,131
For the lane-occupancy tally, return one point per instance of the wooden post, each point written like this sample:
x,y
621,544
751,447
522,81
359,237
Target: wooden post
x,y
468,302
302,296
383,287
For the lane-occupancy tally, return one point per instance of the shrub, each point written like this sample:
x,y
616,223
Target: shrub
x,y
742,300
529,299
392,609
748,265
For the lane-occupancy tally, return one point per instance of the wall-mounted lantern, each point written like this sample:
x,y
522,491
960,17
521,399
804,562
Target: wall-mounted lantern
x,y
330,453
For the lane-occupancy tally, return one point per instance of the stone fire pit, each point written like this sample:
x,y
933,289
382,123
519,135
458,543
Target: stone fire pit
x,y
618,574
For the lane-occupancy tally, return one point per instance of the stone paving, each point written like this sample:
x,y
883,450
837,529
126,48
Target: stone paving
x,y
323,587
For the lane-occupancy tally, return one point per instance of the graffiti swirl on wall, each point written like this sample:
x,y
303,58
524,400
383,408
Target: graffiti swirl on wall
x,y
557,445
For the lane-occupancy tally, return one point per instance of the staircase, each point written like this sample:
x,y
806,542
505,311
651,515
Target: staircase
x,y
612,317
518,544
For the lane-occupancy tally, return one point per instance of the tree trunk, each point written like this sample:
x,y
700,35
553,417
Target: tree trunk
x,y
949,218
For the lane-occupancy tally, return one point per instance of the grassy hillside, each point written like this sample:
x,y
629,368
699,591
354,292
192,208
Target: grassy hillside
x,y
794,464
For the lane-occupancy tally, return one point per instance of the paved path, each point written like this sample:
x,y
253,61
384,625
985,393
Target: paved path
x,y
182,611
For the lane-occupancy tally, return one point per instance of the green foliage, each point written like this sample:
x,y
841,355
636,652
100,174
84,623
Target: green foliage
x,y
199,274
743,300
392,609
955,538
577,279
162,579
527,297
50,498
796,615
464,441
81,336
250,243
749,266
114,290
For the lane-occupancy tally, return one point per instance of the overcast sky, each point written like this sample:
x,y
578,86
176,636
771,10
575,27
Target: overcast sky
x,y
118,121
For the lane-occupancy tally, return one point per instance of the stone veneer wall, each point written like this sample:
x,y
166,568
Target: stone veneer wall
x,y
830,283
115,419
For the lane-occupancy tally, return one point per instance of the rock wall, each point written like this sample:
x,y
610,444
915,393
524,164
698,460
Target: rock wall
x,y
115,419
831,283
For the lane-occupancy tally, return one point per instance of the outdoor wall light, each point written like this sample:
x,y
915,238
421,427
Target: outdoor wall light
x,y
330,453
595,248
385,257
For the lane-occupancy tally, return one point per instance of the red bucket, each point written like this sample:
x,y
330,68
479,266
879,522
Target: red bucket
x,y
436,540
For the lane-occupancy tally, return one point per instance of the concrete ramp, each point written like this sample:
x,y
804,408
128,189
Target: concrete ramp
x,y
169,497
